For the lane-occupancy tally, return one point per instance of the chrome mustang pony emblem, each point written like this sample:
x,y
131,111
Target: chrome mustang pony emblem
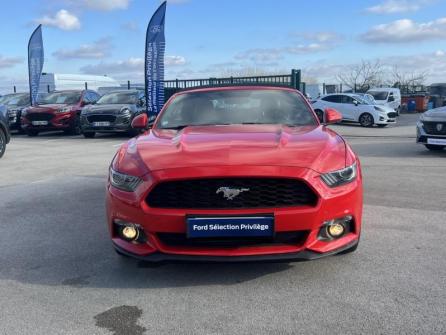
x,y
231,193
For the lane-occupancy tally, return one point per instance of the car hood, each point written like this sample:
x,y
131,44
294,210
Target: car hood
x,y
107,109
46,108
314,147
436,114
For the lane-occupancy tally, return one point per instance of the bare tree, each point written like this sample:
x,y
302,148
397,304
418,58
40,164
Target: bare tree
x,y
403,78
361,76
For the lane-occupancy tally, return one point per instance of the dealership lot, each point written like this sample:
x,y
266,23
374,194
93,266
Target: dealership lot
x,y
58,271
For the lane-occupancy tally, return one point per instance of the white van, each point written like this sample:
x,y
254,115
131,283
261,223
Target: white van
x,y
58,82
388,96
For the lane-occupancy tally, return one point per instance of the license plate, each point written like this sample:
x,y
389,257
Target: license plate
x,y
436,141
202,227
40,123
101,124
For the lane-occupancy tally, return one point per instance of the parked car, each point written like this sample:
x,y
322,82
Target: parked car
x,y
431,129
387,96
354,109
5,136
59,110
14,104
113,112
235,174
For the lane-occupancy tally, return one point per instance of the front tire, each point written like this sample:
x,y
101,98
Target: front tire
x,y
2,143
434,147
366,120
75,128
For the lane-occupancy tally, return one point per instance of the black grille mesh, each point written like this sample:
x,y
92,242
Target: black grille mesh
x,y
39,116
431,128
202,193
101,118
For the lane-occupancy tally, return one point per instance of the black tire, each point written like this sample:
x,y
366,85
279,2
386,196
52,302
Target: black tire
x,y
89,134
382,125
75,128
366,120
2,143
320,115
32,132
398,111
434,147
349,250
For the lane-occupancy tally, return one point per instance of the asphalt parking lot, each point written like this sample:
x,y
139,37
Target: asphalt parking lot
x,y
59,274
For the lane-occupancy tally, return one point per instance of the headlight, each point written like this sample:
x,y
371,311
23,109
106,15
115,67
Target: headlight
x,y
125,112
124,182
379,109
12,112
340,177
24,111
65,110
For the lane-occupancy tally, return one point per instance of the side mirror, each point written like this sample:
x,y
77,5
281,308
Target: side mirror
x,y
355,102
391,98
332,116
140,121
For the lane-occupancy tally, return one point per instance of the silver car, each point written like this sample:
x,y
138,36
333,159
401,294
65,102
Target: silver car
x,y
431,129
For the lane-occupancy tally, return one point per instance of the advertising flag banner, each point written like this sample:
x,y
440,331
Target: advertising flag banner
x,y
154,61
35,62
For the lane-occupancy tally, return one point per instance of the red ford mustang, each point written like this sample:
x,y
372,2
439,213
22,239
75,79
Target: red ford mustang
x,y
235,174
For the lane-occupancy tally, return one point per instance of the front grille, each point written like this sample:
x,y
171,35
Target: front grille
x,y
258,193
101,118
39,116
431,128
391,115
280,238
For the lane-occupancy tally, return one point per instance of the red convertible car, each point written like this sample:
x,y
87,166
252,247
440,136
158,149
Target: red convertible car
x,y
235,174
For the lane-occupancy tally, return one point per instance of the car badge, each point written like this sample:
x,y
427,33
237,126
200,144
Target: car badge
x,y
231,193
439,126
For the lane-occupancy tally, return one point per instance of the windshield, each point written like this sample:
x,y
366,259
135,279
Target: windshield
x,y
15,99
128,98
237,107
362,99
68,98
378,95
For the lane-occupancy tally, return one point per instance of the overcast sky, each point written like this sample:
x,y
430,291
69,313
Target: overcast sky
x,y
212,38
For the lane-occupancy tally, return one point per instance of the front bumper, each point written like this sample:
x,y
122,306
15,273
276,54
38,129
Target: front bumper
x,y
333,203
302,256
384,119
423,136
58,121
121,123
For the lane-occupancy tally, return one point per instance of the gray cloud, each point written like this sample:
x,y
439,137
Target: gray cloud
x,y
398,6
63,19
7,62
96,50
406,30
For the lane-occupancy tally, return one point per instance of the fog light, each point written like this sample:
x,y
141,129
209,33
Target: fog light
x,y
130,233
336,229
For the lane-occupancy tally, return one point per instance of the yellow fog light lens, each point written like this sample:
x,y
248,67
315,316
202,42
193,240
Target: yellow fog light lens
x,y
336,229
130,233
